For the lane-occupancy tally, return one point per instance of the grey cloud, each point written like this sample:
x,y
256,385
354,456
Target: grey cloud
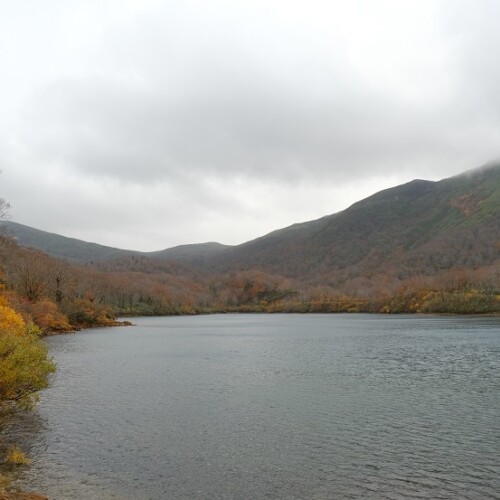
x,y
246,125
186,99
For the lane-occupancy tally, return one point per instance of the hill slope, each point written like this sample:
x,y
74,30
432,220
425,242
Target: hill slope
x,y
421,226
71,249
418,228
83,252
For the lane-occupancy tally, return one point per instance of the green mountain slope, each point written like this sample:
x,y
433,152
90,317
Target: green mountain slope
x,y
421,226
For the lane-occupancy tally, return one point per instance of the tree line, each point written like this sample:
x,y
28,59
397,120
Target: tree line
x,y
60,296
40,295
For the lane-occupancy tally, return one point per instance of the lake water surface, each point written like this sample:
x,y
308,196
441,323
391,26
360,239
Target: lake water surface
x,y
271,406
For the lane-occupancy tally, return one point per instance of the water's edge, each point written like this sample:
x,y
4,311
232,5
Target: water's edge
x,y
259,376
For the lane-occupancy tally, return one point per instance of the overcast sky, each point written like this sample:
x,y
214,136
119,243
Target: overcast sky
x,y
146,124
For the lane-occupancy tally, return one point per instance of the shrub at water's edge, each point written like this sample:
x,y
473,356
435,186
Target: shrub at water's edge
x,y
24,370
16,456
25,364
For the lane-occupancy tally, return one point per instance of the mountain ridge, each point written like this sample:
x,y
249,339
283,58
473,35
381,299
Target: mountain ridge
x,y
80,251
404,217
426,221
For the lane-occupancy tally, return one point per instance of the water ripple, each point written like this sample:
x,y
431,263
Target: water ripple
x,y
279,407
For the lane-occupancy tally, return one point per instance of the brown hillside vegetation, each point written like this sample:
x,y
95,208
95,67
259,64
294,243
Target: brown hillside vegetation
x,y
59,296
420,247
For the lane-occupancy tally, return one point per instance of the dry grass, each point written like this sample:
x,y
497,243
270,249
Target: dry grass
x,y
16,457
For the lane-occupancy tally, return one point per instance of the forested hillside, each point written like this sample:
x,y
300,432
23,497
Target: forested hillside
x,y
422,228
420,247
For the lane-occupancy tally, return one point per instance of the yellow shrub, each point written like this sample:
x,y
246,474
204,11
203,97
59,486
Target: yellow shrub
x,y
11,322
16,457
24,366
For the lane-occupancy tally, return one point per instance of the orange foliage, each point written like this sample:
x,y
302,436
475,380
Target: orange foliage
x,y
48,317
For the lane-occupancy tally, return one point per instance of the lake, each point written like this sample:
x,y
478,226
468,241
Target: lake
x,y
270,406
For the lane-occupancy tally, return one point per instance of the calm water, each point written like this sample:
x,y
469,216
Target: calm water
x,y
271,406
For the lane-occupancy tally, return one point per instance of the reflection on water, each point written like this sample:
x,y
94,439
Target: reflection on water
x,y
282,406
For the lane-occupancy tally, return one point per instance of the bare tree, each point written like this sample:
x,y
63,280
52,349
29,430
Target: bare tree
x,y
27,272
4,212
4,209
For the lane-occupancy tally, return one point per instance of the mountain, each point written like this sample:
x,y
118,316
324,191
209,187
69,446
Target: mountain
x,y
418,228
71,249
194,253
83,252
421,226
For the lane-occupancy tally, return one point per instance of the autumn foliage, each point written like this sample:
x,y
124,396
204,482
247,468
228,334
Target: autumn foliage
x,y
47,316
24,366
58,296
11,322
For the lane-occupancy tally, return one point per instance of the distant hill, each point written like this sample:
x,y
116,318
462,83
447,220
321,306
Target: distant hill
x,y
83,252
71,249
418,228
190,253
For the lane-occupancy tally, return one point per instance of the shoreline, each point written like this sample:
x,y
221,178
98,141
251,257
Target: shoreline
x,y
79,328
21,495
